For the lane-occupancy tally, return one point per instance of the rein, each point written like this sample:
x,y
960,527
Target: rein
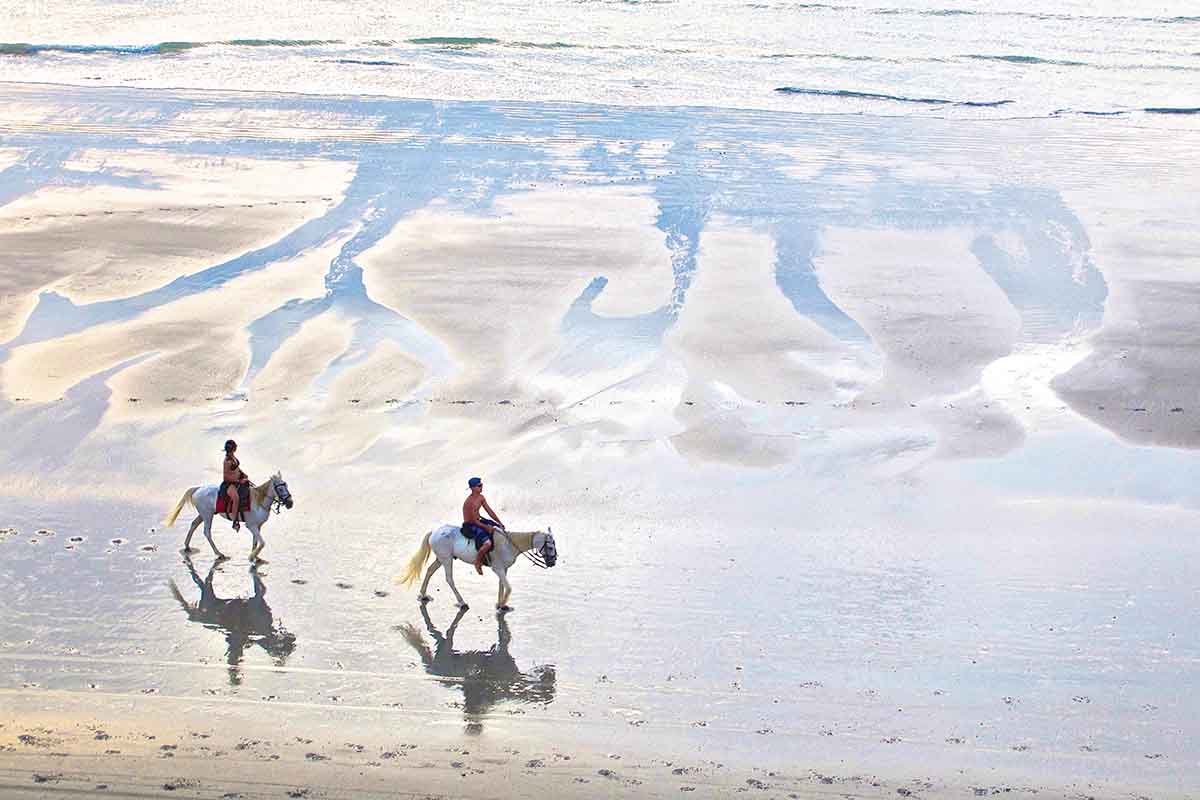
x,y
534,557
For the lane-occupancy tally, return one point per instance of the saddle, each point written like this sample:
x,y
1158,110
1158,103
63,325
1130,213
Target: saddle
x,y
243,498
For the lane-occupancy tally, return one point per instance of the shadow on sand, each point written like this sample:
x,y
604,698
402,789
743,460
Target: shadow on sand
x,y
486,677
245,621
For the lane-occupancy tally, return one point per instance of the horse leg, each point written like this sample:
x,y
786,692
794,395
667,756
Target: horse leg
x,y
208,535
450,580
423,596
257,544
504,589
187,540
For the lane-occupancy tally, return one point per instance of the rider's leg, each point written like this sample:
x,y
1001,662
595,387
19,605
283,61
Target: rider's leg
x,y
482,554
233,506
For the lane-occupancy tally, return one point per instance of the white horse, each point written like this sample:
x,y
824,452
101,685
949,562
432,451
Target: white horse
x,y
204,498
448,544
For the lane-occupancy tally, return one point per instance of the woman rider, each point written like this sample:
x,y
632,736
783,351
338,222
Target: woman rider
x,y
232,475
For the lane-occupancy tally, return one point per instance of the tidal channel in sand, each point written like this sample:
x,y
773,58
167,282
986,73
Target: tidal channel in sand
x,y
867,444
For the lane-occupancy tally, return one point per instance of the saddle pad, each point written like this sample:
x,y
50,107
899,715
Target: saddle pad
x,y
243,499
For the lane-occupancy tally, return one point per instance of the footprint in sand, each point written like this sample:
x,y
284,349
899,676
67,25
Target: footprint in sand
x,y
299,581
118,541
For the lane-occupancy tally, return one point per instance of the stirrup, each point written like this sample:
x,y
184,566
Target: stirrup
x,y
237,524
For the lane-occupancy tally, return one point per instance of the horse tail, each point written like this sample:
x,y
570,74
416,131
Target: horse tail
x,y
416,563
187,498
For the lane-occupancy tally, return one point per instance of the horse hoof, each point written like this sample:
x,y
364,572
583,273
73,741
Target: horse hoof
x,y
222,557
189,550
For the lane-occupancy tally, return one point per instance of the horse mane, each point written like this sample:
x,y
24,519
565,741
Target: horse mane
x,y
522,541
258,494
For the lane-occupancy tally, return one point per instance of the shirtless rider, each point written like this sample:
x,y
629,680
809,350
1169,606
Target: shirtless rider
x,y
477,527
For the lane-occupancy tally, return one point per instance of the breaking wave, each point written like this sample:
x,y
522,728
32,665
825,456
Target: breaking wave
x,y
935,101
1019,59
161,48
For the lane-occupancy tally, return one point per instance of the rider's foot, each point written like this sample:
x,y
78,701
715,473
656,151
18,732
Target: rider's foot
x,y
478,567
237,525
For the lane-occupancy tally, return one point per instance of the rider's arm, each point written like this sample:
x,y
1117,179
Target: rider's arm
x,y
492,514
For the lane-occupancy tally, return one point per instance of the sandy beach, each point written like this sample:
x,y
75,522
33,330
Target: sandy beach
x,y
868,445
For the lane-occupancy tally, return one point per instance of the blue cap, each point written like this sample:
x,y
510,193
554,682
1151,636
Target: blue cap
x,y
473,482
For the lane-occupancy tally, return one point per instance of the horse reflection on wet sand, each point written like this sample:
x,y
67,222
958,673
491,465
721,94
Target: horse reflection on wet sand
x,y
244,620
486,677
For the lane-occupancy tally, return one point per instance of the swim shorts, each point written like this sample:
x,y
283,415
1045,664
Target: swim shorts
x,y
480,533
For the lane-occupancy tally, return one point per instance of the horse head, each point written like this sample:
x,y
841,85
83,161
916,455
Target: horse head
x,y
279,488
543,545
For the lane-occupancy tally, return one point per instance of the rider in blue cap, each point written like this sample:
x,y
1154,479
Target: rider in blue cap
x,y
478,527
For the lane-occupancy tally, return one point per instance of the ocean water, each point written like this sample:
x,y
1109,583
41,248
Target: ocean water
x,y
925,57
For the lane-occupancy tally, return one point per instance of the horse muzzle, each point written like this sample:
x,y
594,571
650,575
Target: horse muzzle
x,y
288,503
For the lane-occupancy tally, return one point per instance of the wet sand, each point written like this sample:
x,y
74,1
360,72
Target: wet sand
x,y
867,445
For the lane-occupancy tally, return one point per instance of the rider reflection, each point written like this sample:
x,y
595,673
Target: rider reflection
x,y
486,677
245,621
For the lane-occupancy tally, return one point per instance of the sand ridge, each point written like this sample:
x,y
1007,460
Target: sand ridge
x,y
176,216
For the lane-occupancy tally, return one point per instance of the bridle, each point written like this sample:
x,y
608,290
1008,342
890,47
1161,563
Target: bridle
x,y
281,496
544,557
